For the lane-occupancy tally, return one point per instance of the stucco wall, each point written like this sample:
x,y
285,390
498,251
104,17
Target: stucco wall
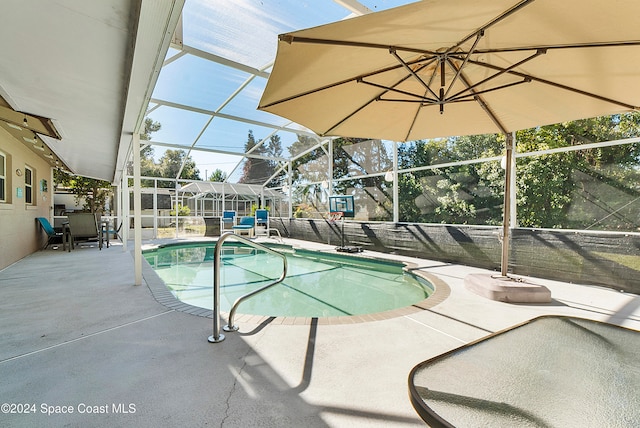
x,y
20,235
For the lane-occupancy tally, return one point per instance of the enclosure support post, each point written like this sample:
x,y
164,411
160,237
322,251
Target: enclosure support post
x,y
117,219
155,209
396,193
513,219
217,336
330,172
126,211
506,220
137,211
289,190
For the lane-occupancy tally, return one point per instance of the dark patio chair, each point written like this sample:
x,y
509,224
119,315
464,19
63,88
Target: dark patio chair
x,y
84,227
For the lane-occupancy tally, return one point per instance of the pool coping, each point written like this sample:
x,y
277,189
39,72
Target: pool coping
x,y
164,296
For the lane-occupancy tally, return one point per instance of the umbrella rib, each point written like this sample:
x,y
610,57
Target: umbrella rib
x,y
499,73
428,101
349,116
482,103
393,52
560,85
291,39
413,122
490,113
386,89
618,44
377,98
419,98
479,35
494,21
497,88
335,84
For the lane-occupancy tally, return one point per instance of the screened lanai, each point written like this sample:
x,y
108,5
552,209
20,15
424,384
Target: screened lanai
x,y
206,198
573,186
98,69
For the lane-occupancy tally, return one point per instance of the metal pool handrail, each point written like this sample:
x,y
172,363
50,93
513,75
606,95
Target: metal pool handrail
x,y
217,337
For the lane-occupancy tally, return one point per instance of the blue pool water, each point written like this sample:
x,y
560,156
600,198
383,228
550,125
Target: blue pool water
x,y
317,284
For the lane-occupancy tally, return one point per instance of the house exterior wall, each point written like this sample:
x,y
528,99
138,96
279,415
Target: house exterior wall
x,y
20,235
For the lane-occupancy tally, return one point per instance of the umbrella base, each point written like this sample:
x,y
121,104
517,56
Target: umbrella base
x,y
506,289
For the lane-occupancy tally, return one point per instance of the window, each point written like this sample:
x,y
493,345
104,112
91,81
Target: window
x,y
3,177
28,185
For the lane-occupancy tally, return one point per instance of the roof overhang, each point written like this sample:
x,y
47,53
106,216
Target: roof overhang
x,y
90,68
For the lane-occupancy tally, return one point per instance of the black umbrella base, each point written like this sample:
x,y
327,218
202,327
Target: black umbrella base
x,y
349,249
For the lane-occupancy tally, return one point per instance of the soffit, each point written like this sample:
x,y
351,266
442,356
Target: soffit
x,y
88,66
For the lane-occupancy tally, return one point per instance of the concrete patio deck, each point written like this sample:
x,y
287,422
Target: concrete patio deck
x,y
83,346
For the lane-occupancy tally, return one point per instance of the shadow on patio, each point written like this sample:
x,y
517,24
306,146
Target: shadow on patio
x,y
78,336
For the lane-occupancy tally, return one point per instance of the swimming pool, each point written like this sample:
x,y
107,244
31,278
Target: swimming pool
x,y
318,284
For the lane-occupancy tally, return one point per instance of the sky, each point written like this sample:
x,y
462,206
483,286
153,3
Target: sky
x,y
245,32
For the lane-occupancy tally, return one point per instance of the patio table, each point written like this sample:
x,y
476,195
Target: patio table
x,y
552,371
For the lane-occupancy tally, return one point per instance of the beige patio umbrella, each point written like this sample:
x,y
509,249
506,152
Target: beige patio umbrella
x,y
440,68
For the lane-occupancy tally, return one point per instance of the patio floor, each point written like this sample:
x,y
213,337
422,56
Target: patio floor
x,y
83,346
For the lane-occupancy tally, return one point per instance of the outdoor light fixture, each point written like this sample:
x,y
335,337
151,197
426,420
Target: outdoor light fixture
x,y
388,176
503,162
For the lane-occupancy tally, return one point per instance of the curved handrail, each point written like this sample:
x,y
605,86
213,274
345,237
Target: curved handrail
x,y
217,337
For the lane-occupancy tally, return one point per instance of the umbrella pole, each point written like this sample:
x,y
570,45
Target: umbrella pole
x,y
506,215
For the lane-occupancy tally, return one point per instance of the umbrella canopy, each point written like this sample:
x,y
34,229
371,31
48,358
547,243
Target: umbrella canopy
x,y
439,68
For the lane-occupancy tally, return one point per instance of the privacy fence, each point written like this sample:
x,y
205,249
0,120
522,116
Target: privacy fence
x,y
598,258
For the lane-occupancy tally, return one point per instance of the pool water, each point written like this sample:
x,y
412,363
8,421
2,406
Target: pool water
x,y
317,284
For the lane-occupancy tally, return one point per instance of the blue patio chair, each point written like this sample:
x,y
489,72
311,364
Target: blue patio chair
x,y
262,222
228,220
246,224
52,235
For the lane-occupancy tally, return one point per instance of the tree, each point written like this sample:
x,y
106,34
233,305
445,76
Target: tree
x,y
251,169
310,167
451,194
579,188
168,166
353,156
218,176
90,192
149,128
575,189
171,162
148,167
274,149
300,174
258,170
